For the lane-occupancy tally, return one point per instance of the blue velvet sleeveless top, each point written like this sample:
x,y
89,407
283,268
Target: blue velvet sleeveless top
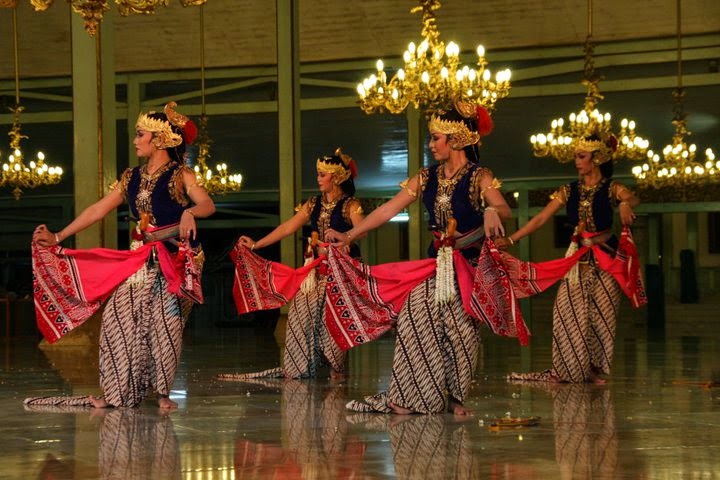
x,y
336,221
592,206
464,205
157,194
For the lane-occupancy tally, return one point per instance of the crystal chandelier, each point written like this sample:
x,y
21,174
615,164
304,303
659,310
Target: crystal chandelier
x,y
432,77
15,173
218,181
92,11
679,169
559,142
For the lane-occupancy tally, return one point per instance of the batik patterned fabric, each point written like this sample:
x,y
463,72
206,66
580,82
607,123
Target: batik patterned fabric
x,y
363,302
585,312
70,285
140,340
261,284
436,349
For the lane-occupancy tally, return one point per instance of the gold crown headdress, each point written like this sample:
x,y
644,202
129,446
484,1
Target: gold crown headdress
x,y
163,135
462,136
602,150
342,171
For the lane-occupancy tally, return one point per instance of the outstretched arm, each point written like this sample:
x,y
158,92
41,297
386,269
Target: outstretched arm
x,y
89,216
286,228
533,224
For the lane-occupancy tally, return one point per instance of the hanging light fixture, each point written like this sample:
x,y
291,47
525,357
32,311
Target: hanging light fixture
x,y
92,11
218,181
678,170
15,173
559,142
432,77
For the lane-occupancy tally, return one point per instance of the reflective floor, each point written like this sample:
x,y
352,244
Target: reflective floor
x,y
658,417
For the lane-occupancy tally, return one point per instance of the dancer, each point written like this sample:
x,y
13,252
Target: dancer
x,y
587,302
437,339
307,342
150,288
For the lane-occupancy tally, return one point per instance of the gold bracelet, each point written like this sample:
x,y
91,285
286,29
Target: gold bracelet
x,y
512,242
252,247
349,236
57,239
190,212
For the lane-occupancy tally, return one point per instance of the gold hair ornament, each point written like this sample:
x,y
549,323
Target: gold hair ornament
x,y
341,171
163,136
600,150
460,133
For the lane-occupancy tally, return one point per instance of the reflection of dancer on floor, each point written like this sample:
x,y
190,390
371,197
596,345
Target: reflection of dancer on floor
x,y
150,288
137,444
586,444
307,342
313,429
437,340
587,302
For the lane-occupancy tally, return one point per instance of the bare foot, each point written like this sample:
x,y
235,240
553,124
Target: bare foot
x,y
337,376
399,410
99,402
596,378
457,408
165,403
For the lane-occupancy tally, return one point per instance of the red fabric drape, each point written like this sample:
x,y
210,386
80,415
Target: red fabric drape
x,y
70,285
260,284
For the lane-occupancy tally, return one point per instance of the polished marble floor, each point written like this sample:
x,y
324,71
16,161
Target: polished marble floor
x,y
658,417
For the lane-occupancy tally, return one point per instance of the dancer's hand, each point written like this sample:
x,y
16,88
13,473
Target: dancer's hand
x,y
627,216
492,223
502,243
337,239
188,227
44,237
246,241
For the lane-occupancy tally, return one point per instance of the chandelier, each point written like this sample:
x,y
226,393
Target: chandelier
x,y
92,11
218,181
432,77
15,173
679,168
559,142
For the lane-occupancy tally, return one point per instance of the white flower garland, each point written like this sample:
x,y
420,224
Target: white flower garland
x,y
573,275
444,276
310,282
138,278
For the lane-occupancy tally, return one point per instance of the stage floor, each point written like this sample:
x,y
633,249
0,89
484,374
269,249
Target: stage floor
x,y
657,418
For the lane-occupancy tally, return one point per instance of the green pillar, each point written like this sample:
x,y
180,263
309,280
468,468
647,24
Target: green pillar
x,y
415,162
289,144
94,163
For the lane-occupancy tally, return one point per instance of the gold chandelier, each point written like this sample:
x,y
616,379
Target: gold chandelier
x,y
15,173
218,181
679,168
559,142
92,11
432,77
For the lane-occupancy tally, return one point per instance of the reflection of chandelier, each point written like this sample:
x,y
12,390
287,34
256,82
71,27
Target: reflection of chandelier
x,y
15,174
216,181
432,77
679,169
92,11
559,142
